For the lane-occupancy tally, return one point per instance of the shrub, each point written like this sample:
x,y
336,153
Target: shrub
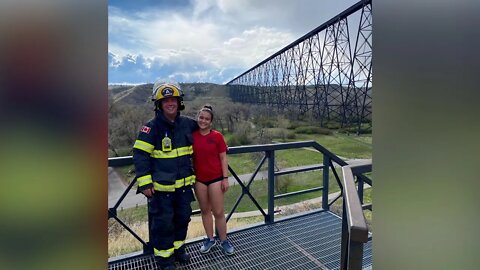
x,y
364,129
282,183
238,139
332,125
264,122
282,134
313,130
242,134
295,124
233,141
291,135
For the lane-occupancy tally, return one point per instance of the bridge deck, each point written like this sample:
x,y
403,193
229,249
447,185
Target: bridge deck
x,y
305,242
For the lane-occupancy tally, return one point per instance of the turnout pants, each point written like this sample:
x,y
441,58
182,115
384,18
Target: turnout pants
x,y
169,214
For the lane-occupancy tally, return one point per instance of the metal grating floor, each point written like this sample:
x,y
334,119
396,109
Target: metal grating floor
x,y
305,242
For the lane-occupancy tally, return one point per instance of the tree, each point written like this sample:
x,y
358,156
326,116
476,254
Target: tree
x,y
124,125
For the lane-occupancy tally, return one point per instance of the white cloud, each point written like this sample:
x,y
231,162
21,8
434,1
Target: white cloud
x,y
253,46
209,39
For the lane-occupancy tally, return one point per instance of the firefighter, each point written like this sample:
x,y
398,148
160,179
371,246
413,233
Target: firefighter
x,y
162,157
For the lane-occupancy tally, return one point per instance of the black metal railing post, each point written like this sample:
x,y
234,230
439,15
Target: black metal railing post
x,y
360,185
326,162
345,237
271,186
148,248
355,256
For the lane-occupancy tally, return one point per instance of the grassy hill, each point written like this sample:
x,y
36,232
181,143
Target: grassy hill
x,y
140,94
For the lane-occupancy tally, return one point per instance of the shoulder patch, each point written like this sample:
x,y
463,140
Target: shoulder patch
x,y
145,129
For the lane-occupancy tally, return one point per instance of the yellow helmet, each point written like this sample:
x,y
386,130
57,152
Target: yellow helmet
x,y
163,90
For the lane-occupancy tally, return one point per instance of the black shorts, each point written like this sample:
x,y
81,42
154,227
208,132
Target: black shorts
x,y
209,182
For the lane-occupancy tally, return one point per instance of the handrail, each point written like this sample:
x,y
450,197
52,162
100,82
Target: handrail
x,y
269,150
354,226
120,161
354,213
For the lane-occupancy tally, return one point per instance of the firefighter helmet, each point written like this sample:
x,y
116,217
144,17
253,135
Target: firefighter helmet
x,y
163,90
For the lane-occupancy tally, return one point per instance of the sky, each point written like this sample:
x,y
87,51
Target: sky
x,y
204,40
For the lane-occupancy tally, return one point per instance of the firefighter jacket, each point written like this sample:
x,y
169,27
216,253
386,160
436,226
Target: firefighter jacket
x,y
169,167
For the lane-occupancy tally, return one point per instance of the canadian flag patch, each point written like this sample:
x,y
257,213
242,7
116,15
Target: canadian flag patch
x,y
145,129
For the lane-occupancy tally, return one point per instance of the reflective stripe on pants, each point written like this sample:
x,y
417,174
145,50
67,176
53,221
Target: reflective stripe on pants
x,y
169,214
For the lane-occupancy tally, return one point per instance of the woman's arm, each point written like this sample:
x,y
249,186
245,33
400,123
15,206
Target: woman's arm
x,y
224,162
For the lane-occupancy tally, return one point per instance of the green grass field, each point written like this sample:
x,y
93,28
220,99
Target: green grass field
x,y
342,145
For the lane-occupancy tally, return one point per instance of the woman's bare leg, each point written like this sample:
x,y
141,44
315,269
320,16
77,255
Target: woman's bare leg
x,y
201,191
215,195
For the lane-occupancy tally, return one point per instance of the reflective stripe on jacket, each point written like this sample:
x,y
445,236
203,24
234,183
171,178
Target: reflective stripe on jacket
x,y
164,170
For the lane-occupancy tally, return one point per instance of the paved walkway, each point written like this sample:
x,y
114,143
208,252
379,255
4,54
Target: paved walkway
x,y
116,187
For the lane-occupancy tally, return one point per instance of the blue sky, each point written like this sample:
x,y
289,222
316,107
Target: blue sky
x,y
204,40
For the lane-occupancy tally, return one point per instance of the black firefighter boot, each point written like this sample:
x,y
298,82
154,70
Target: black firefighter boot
x,y
164,264
182,256
168,267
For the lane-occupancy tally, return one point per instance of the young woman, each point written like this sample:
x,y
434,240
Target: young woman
x,y
211,169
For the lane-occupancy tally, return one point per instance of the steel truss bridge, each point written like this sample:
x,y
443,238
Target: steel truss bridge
x,y
326,73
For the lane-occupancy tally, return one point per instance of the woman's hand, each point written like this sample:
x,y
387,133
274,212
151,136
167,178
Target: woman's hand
x,y
225,185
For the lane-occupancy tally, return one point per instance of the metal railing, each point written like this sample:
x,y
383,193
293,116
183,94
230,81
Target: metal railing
x,y
354,226
269,154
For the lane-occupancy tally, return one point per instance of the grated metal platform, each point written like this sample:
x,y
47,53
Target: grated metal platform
x,y
305,242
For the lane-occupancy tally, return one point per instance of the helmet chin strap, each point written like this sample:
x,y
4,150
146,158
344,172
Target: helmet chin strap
x,y
181,105
158,106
